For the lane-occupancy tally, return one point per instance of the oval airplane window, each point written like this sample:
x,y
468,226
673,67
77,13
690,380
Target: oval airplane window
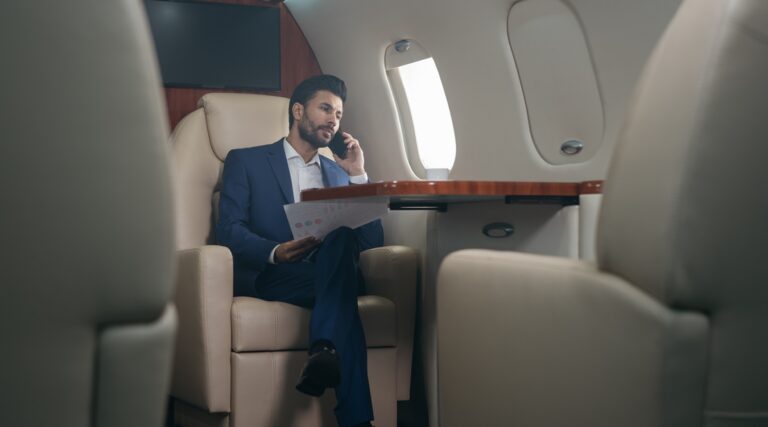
x,y
554,65
425,117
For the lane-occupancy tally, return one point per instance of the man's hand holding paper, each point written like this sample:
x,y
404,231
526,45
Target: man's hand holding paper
x,y
320,218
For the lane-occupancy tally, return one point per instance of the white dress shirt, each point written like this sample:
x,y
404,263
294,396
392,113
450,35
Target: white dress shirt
x,y
306,175
303,175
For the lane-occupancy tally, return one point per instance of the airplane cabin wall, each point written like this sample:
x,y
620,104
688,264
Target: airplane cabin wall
x,y
469,43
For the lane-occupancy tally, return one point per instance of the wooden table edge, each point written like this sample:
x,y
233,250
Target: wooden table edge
x,y
455,188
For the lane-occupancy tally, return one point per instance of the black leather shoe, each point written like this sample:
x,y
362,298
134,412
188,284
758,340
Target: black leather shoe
x,y
364,425
321,371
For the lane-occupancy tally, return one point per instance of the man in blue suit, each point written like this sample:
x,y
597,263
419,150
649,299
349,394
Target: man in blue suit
x,y
271,265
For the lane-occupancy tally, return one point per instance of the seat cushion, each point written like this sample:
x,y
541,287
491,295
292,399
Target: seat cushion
x,y
259,325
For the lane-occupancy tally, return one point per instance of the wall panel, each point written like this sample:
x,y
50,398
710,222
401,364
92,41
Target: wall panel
x,y
469,43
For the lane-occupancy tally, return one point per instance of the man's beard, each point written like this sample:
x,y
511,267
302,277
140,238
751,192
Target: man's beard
x,y
310,133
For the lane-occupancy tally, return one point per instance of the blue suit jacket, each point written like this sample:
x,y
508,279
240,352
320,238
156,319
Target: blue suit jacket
x,y
255,185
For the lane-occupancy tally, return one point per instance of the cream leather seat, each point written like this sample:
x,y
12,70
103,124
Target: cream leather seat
x,y
238,359
86,218
669,328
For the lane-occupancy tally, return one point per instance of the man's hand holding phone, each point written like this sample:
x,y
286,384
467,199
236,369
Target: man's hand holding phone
x,y
295,250
347,153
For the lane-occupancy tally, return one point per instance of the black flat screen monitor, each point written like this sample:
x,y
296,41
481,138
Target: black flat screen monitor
x,y
213,45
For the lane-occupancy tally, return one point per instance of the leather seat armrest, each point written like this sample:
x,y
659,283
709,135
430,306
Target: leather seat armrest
x,y
203,299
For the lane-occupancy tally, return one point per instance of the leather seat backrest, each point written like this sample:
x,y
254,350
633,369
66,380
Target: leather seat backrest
x,y
86,226
685,212
201,142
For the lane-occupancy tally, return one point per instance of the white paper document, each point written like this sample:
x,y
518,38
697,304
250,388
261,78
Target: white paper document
x,y
320,218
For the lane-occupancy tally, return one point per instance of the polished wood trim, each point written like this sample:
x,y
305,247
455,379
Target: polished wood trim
x,y
245,2
456,188
445,188
591,187
297,62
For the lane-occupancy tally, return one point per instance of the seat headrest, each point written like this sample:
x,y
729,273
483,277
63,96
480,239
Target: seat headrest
x,y
87,216
685,212
238,120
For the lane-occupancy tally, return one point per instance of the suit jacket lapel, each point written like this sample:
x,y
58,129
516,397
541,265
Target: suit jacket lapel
x,y
276,157
331,177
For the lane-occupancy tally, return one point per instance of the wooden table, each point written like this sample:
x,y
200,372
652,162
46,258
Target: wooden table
x,y
436,195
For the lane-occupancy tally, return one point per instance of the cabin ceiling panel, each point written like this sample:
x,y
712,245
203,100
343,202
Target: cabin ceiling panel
x,y
469,43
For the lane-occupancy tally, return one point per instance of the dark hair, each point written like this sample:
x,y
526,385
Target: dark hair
x,y
307,89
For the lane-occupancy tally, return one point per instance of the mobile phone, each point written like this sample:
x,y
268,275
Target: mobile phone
x,y
338,146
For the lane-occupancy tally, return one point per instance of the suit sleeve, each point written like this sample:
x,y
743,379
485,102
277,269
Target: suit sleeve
x,y
232,228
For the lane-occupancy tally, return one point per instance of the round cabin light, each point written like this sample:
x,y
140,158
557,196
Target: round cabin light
x,y
403,45
572,147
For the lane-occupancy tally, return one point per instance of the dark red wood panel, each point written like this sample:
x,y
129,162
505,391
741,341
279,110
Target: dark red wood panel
x,y
456,188
446,188
591,187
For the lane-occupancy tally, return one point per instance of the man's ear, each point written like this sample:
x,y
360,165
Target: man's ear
x,y
297,110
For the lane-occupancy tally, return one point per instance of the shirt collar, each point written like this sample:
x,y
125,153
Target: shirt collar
x,y
290,153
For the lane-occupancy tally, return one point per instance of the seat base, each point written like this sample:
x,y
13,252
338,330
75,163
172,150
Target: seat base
x,y
264,394
192,416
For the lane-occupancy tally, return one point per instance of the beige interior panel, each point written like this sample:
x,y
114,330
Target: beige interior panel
x,y
549,229
469,43
540,229
589,211
559,84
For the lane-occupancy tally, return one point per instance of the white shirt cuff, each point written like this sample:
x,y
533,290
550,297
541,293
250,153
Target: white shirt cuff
x,y
359,179
271,258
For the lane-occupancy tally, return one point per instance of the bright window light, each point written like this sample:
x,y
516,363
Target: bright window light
x,y
430,114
